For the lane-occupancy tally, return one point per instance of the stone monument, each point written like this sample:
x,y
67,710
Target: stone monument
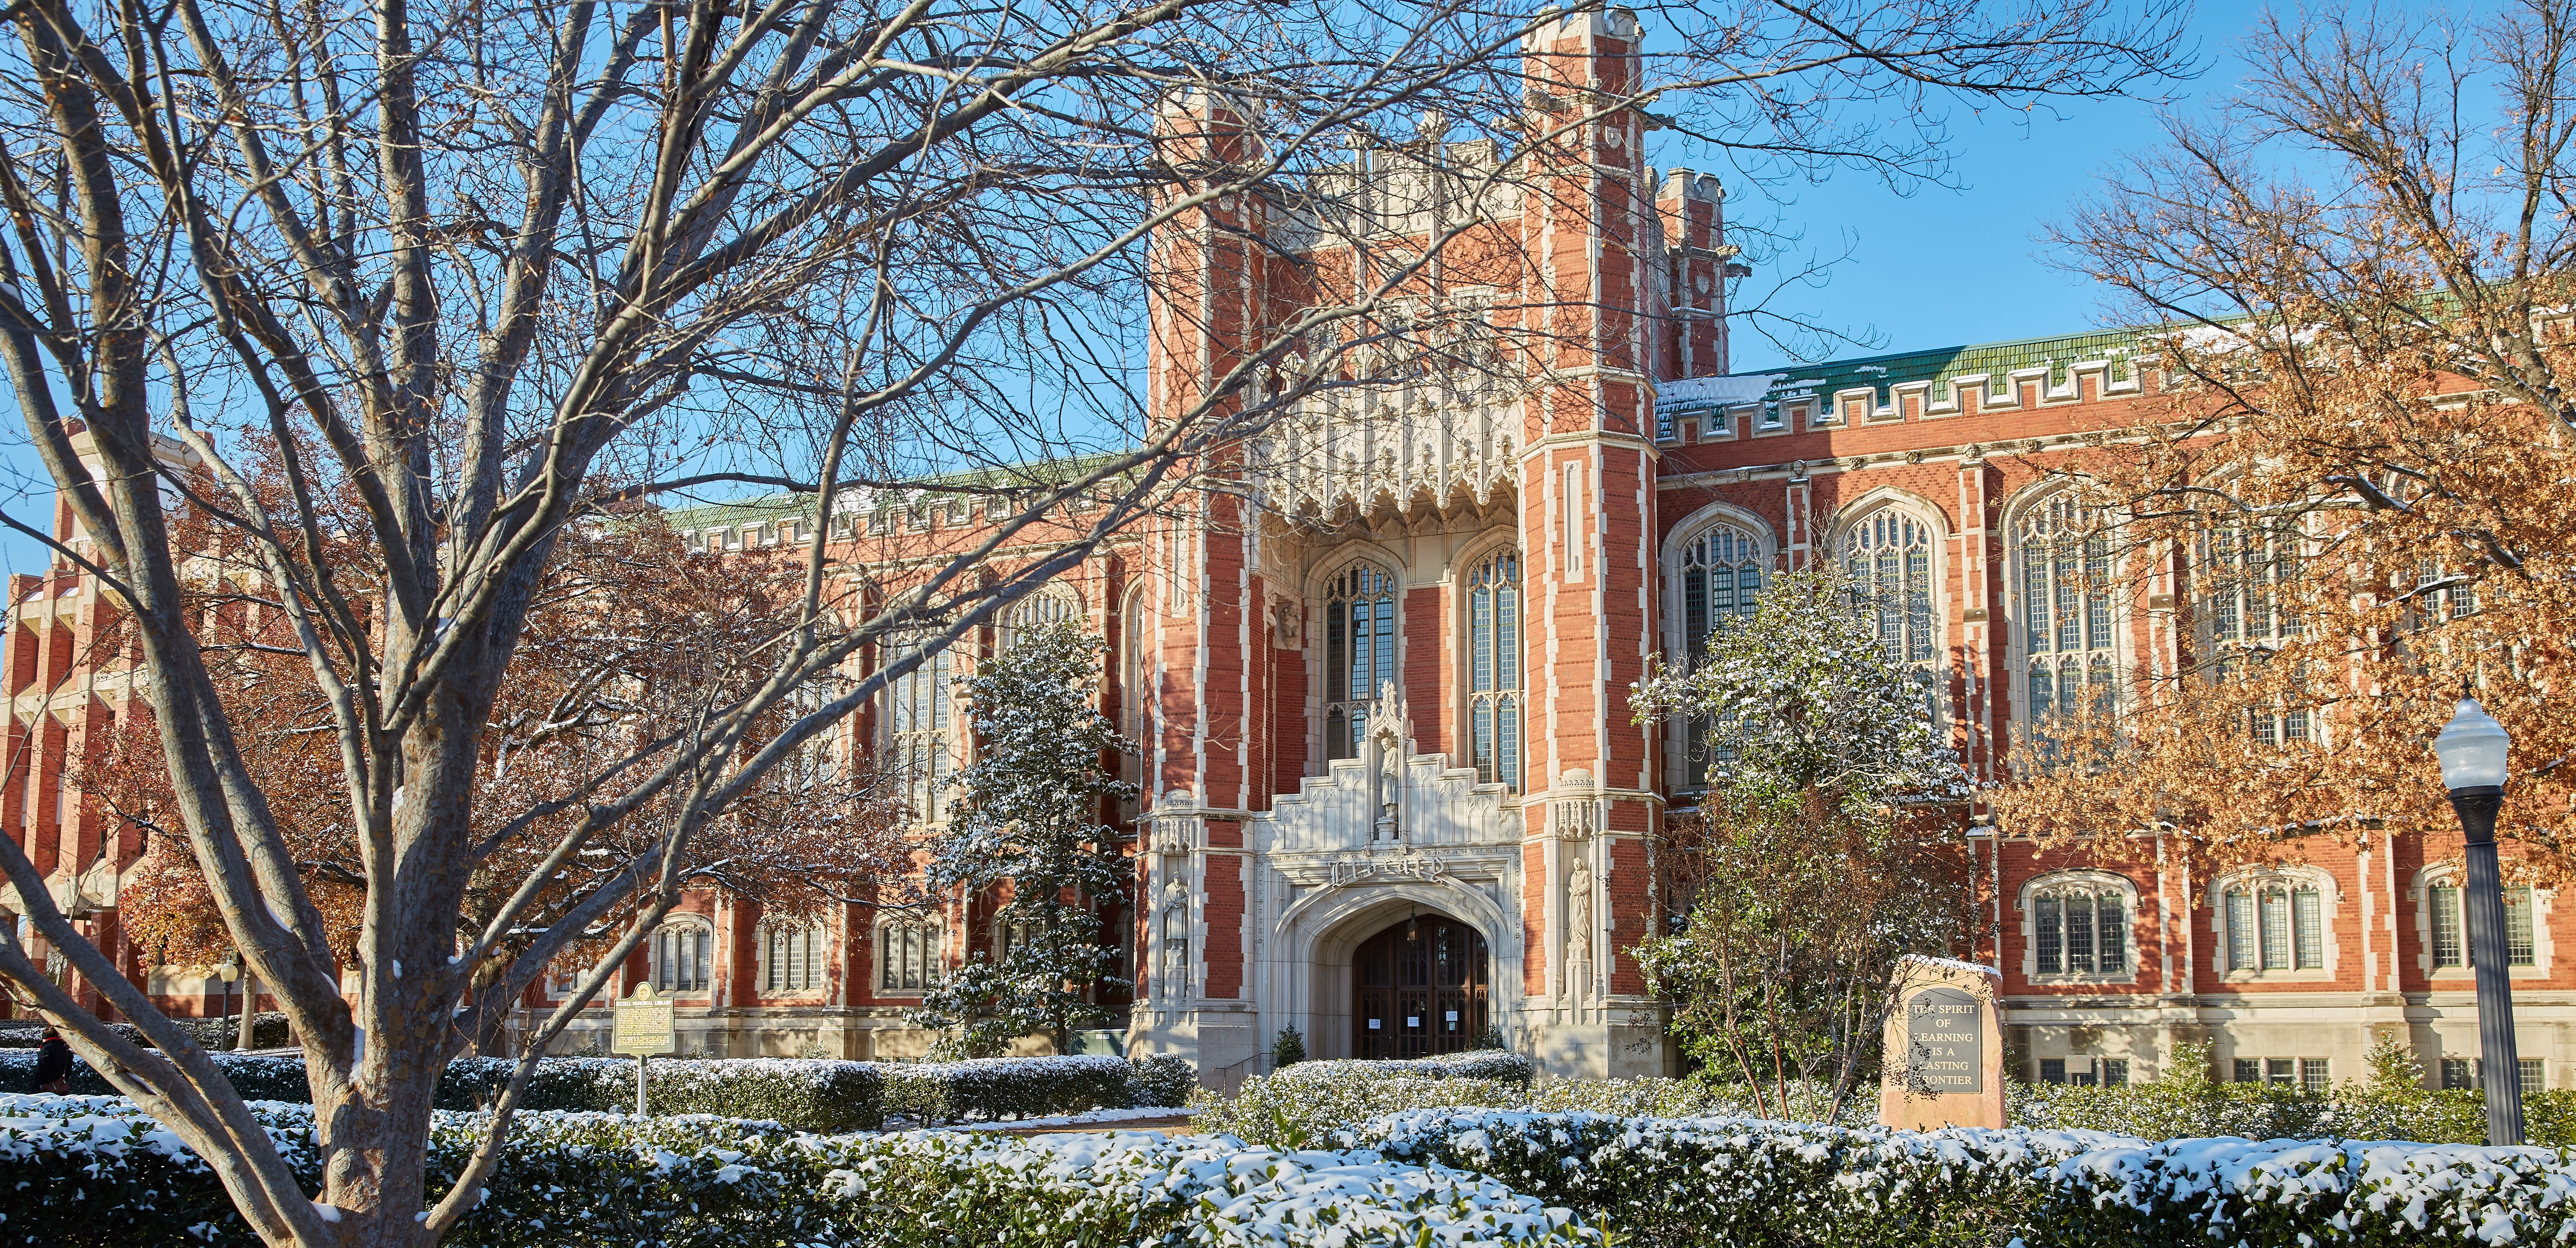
x,y
1945,1054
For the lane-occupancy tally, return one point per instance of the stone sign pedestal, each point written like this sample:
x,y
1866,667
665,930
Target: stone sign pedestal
x,y
1945,1053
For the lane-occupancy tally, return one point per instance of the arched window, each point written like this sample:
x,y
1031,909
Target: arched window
x,y
1494,668
1135,674
1719,571
1721,576
1359,652
2079,925
2068,640
1888,556
791,957
1041,608
2272,923
908,956
917,732
680,961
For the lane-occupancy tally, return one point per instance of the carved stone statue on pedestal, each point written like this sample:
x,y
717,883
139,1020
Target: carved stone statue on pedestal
x,y
1578,930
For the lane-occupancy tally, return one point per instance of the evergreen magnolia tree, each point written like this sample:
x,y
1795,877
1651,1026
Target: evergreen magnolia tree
x,y
1815,861
1028,814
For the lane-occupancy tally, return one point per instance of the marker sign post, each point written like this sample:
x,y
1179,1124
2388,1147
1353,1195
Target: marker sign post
x,y
643,1028
1944,1059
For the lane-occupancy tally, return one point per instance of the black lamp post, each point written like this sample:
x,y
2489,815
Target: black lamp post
x,y
2472,750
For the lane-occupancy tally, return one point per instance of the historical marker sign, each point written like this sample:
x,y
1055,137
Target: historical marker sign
x,y
1945,1038
643,1024
1944,1048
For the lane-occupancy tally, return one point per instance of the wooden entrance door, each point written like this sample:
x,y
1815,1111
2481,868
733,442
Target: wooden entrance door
x,y
1420,989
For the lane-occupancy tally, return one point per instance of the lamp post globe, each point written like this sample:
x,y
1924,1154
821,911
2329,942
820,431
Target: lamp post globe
x,y
2472,750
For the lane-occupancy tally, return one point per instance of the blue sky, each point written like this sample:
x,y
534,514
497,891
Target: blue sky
x,y
1947,267
1936,267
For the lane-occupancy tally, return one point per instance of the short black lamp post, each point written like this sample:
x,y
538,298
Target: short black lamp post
x,y
2472,749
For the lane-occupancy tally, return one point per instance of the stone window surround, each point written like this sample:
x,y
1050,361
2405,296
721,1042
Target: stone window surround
x,y
2097,878
2330,902
2464,978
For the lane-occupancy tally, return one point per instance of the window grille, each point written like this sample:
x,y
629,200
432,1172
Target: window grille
x,y
2450,928
1359,653
680,959
907,957
2275,927
2081,930
917,729
2067,633
1721,576
792,957
1888,556
1494,668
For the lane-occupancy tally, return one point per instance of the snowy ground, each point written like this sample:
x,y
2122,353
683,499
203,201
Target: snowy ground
x,y
1097,1117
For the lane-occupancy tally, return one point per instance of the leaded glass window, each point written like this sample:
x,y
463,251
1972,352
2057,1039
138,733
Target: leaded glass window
x,y
2451,930
1494,668
2068,636
2275,926
1721,576
917,728
791,956
1888,556
1359,652
2080,928
907,957
680,958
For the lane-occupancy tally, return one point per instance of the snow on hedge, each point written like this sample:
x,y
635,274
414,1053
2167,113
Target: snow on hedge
x,y
91,1170
1734,1181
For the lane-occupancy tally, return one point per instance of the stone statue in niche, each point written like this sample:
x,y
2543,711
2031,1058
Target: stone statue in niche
x,y
1386,737
1174,976
1578,930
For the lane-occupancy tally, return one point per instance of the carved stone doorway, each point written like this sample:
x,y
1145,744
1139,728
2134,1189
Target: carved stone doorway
x,y
1419,988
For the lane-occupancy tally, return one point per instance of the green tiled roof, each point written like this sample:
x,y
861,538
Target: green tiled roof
x,y
1943,364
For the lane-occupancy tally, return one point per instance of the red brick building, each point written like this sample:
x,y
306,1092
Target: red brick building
x,y
1394,796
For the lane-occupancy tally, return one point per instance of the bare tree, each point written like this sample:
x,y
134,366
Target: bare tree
x,y
2352,484
488,271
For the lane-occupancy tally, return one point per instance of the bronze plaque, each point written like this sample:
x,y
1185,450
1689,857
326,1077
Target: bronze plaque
x,y
1945,1034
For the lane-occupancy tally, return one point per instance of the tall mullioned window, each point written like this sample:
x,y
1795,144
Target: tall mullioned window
x,y
1494,668
917,729
1721,577
1888,556
1359,652
2246,573
1046,606
2067,622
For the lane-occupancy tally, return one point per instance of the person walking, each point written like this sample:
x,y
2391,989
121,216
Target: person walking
x,y
53,1064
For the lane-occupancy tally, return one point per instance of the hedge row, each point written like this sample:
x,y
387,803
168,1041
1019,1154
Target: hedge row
x,y
806,1095
1745,1183
1308,1101
268,1031
99,1176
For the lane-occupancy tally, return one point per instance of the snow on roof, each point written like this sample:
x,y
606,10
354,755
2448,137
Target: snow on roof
x,y
1717,391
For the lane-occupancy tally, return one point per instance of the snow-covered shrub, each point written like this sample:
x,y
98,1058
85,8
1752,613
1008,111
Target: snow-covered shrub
x,y
259,1078
1163,1079
1744,1183
92,1171
990,1089
268,1030
805,1094
934,1190
1306,1102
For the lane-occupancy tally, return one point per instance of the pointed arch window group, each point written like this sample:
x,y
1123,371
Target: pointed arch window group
x,y
1494,668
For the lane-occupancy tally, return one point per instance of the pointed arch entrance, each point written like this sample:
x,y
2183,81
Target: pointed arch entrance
x,y
1420,987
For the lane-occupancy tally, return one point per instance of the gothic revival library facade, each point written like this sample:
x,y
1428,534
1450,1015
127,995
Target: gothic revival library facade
x,y
1394,796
